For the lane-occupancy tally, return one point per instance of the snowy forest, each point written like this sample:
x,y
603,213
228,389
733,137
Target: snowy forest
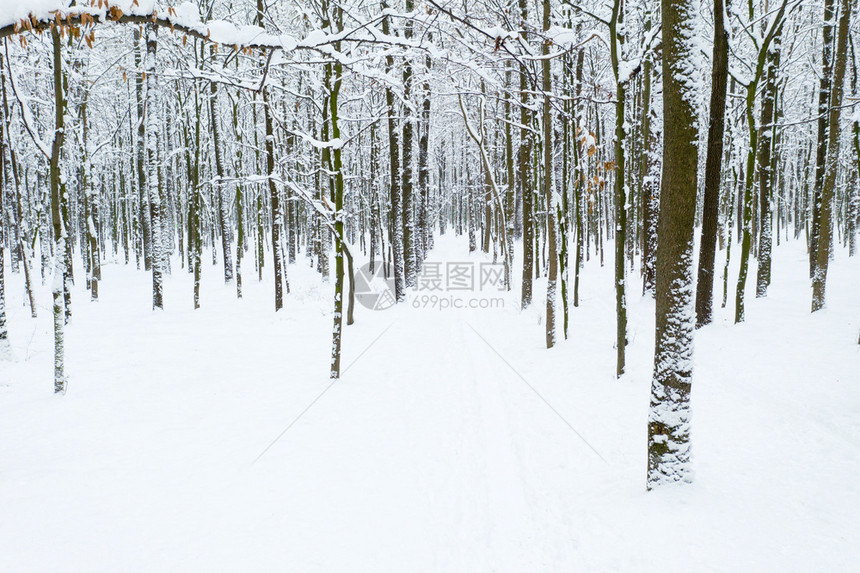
x,y
429,285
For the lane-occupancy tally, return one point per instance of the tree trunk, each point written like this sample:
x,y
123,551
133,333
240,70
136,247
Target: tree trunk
x,y
425,227
195,238
580,185
5,352
822,255
854,208
525,152
152,134
669,415
713,170
337,332
823,117
552,275
218,186
765,169
408,198
395,239
617,43
145,218
751,89
56,218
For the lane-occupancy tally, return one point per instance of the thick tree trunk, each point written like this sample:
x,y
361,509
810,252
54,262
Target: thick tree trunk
x,y
669,415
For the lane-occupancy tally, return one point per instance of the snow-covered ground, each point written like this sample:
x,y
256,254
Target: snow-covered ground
x,y
454,441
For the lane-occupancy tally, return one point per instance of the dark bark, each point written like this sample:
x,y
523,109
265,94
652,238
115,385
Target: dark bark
x,y
525,152
822,255
218,186
552,272
669,415
823,117
143,200
713,170
617,41
410,270
765,170
395,239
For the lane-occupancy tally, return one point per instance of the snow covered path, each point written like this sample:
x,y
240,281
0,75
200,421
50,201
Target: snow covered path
x,y
432,453
437,468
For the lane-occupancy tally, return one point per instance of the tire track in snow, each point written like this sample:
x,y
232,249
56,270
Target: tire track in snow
x,y
507,519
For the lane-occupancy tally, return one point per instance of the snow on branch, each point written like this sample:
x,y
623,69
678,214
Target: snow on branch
x,y
39,15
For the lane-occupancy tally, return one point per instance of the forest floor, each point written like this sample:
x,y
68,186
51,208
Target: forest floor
x,y
453,442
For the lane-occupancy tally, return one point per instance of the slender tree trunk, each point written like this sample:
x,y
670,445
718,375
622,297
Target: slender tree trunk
x,y
765,170
195,237
563,209
649,174
751,89
223,201
617,43
854,209
5,349
23,234
337,332
56,217
91,210
152,134
713,170
552,275
819,279
408,198
240,208
396,225
277,216
510,187
145,218
525,152
823,117
425,228
580,185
